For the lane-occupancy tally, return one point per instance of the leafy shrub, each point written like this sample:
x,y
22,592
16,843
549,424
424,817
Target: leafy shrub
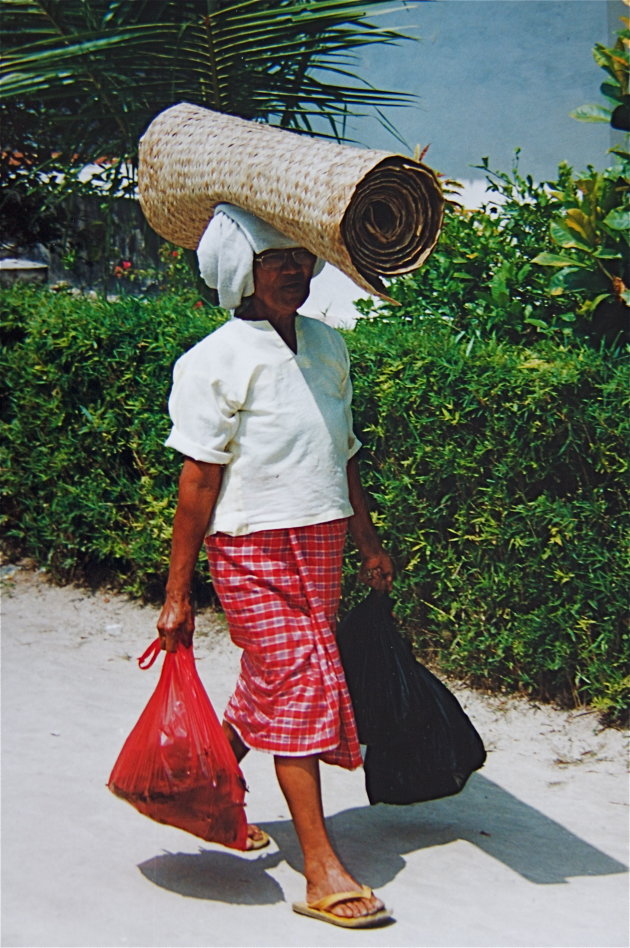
x,y
591,256
498,479
616,64
89,486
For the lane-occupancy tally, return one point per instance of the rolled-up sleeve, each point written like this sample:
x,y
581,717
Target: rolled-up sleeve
x,y
204,418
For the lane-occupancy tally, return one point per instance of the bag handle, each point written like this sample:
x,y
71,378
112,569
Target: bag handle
x,y
146,660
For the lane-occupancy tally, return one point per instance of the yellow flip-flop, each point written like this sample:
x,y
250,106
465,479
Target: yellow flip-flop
x,y
321,910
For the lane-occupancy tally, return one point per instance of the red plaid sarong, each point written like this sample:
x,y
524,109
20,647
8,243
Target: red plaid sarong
x,y
280,591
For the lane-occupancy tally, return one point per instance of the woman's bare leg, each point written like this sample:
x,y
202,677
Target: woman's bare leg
x,y
253,832
299,780
236,743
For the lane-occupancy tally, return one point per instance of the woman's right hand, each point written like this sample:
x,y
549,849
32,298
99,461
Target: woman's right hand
x,y
176,623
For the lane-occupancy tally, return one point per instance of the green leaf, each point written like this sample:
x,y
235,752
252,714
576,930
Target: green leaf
x,y
564,236
538,323
605,254
618,219
591,113
574,280
577,220
611,91
546,259
599,299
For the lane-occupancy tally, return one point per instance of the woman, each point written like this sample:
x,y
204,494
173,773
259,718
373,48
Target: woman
x,y
270,482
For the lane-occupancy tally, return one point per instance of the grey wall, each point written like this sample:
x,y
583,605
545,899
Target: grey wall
x,y
494,75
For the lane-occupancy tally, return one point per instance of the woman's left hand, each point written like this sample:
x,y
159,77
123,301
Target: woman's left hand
x,y
378,571
377,567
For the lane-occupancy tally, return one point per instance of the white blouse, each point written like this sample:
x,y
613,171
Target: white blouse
x,y
281,423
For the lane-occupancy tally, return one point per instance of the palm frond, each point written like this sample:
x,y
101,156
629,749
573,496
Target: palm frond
x,y
100,69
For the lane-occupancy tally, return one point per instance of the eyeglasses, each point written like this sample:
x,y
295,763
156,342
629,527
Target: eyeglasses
x,y
276,259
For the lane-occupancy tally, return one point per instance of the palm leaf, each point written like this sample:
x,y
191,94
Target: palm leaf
x,y
102,68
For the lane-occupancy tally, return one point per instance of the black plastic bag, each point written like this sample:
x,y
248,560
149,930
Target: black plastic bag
x,y
420,743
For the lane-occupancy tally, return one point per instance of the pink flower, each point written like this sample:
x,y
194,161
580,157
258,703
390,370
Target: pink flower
x,y
126,264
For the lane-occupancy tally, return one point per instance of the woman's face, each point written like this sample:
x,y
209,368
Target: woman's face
x,y
282,279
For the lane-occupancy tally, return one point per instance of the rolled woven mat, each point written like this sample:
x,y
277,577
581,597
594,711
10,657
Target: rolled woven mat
x,y
370,213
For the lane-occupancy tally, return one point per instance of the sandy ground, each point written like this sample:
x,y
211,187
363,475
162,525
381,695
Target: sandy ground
x,y
532,853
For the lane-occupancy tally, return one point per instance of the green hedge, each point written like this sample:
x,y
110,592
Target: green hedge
x,y
90,489
497,472
498,477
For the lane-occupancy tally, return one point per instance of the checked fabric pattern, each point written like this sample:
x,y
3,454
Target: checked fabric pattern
x,y
280,591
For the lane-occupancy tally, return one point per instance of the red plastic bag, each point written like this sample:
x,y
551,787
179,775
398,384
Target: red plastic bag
x,y
177,766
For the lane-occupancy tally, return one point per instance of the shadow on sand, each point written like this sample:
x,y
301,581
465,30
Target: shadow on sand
x,y
373,840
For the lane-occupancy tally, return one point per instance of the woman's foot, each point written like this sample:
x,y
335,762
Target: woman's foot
x,y
333,880
256,838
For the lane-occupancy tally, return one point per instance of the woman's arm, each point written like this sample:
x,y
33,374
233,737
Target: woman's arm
x,y
199,486
377,567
